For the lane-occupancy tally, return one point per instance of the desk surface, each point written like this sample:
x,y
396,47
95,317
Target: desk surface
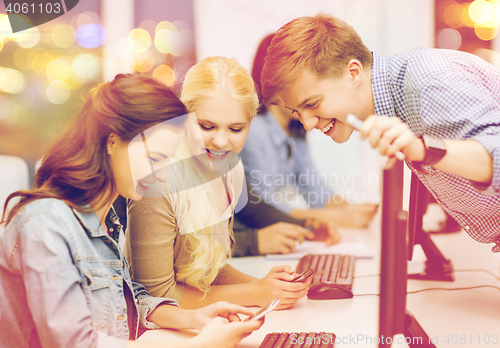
x,y
465,318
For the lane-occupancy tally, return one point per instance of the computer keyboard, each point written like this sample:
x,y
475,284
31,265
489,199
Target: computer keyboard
x,y
299,339
332,278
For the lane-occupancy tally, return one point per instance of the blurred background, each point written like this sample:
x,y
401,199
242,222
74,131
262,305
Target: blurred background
x,y
45,71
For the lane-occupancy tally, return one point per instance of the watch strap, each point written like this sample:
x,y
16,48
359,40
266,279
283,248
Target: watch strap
x,y
435,149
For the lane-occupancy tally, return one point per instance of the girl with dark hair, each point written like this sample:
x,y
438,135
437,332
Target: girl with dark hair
x,y
64,281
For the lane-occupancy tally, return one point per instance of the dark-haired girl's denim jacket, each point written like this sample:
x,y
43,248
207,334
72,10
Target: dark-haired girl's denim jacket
x,y
65,283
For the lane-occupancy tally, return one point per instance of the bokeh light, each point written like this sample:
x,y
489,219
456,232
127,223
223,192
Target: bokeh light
x,y
179,43
90,35
161,38
74,81
165,25
149,26
58,69
175,38
86,66
495,16
144,61
485,33
124,51
11,81
84,18
31,57
466,20
20,58
30,39
453,15
58,92
165,74
449,38
480,11
5,28
41,60
139,40
159,56
63,35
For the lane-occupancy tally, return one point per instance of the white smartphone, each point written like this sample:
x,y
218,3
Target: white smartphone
x,y
356,123
303,276
261,313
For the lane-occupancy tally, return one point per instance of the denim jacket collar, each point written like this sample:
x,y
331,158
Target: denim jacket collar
x,y
92,223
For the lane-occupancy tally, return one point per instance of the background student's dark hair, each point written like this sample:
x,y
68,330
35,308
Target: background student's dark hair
x,y
76,167
296,128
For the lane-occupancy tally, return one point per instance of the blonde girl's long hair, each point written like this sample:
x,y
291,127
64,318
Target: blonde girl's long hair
x,y
206,249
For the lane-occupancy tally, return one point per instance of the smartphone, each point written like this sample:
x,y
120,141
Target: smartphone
x,y
303,276
265,310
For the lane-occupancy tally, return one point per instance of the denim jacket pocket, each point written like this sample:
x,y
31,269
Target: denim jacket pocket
x,y
97,289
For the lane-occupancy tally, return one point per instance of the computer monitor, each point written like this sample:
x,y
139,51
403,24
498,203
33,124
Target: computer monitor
x,y
393,316
437,267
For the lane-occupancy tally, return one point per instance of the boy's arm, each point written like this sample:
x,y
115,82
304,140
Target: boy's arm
x,y
466,158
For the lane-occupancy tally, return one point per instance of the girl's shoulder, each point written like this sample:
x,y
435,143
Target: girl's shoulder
x,y
44,207
42,220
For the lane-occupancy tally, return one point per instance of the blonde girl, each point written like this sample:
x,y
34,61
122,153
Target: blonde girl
x,y
179,244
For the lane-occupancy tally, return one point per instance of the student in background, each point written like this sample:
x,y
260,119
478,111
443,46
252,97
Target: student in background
x,y
441,108
178,244
279,168
259,228
63,279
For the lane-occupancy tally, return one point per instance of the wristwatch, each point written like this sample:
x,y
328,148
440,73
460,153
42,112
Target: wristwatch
x,y
435,149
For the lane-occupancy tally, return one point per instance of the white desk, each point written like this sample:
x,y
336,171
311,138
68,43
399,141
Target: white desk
x,y
467,312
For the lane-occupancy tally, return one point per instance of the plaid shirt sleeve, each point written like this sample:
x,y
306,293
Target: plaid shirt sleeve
x,y
463,103
450,95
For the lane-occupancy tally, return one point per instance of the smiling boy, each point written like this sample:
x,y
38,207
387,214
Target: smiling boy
x,y
440,108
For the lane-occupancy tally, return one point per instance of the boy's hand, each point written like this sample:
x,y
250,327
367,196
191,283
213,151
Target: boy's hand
x,y
389,135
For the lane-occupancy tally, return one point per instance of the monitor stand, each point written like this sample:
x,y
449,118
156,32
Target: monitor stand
x,y
417,334
437,267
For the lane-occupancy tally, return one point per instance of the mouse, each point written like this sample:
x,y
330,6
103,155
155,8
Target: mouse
x,y
324,291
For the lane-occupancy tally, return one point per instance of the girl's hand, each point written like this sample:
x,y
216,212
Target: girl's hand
x,y
220,333
205,315
277,284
